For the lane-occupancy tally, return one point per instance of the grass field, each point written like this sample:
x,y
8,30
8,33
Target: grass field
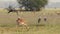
x,y
51,26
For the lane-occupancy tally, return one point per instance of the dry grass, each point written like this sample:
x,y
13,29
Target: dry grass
x,y
51,26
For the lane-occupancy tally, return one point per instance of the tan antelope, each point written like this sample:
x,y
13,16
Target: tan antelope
x,y
21,21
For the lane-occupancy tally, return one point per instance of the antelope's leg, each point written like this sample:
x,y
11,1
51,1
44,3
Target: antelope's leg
x,y
26,26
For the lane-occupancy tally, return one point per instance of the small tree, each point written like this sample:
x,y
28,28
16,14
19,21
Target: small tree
x,y
33,4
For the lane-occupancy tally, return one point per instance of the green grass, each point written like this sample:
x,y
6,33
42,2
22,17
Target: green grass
x,y
33,30
51,26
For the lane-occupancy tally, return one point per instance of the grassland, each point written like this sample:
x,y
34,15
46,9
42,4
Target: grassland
x,y
51,26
